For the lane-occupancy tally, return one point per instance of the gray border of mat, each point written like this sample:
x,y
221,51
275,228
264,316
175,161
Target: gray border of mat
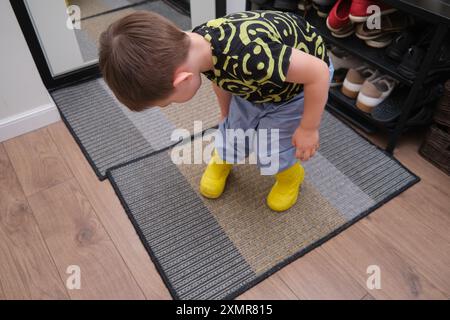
x,y
72,132
283,263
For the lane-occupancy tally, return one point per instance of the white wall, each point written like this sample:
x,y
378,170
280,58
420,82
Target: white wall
x,y
202,11
24,101
235,6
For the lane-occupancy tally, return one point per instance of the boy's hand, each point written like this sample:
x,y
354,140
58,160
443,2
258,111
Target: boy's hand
x,y
306,141
314,74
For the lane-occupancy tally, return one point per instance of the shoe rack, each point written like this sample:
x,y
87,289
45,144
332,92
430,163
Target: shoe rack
x,y
435,12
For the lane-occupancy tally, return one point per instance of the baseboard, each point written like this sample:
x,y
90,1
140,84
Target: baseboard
x,y
28,121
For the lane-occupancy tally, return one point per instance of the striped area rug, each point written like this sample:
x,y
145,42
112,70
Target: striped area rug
x,y
217,249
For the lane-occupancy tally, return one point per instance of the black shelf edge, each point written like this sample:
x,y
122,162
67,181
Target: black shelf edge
x,y
336,93
351,118
358,48
350,104
434,11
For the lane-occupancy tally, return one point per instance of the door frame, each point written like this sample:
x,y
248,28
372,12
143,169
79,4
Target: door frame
x,y
53,82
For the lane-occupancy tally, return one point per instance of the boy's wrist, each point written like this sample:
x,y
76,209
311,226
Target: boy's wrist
x,y
307,127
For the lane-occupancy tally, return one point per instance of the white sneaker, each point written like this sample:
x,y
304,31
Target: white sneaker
x,y
374,92
356,77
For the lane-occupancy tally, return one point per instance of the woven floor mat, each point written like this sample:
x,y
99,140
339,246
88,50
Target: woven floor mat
x,y
217,249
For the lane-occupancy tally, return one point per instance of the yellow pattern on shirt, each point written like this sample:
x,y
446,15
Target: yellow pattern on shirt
x,y
251,52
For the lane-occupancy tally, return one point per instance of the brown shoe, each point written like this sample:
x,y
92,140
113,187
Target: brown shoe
x,y
381,42
344,32
394,22
355,79
375,91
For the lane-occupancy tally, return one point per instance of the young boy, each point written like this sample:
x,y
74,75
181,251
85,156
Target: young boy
x,y
269,70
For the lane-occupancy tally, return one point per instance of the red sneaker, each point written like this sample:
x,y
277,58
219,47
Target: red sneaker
x,y
338,18
358,10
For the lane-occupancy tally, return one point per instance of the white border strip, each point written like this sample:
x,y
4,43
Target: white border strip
x,y
33,119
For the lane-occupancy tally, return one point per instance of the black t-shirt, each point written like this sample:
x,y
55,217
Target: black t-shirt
x,y
251,52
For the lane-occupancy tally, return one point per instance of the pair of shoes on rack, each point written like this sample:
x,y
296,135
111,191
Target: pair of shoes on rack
x,y
390,25
404,41
350,16
410,48
338,20
368,86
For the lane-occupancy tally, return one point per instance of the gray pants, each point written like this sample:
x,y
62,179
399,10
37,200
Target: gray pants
x,y
267,129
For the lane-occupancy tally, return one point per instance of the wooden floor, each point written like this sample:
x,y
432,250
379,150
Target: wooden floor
x,y
54,213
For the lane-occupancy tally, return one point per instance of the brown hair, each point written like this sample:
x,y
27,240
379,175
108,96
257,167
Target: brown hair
x,y
138,57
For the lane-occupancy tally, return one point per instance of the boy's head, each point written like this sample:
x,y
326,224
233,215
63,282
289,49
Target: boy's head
x,y
143,59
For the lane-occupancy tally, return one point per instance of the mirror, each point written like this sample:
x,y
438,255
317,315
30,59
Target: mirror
x,y
68,30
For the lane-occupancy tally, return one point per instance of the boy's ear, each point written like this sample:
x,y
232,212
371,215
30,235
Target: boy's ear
x,y
180,77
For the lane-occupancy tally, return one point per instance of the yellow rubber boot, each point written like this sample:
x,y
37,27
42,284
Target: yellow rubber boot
x,y
284,192
215,176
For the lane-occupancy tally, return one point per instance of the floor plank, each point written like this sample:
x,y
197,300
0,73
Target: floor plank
x,y
76,237
272,288
422,198
317,276
26,267
360,247
407,153
368,297
2,294
417,222
111,214
424,242
36,161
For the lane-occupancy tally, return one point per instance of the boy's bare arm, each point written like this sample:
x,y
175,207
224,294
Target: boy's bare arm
x,y
224,98
314,74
